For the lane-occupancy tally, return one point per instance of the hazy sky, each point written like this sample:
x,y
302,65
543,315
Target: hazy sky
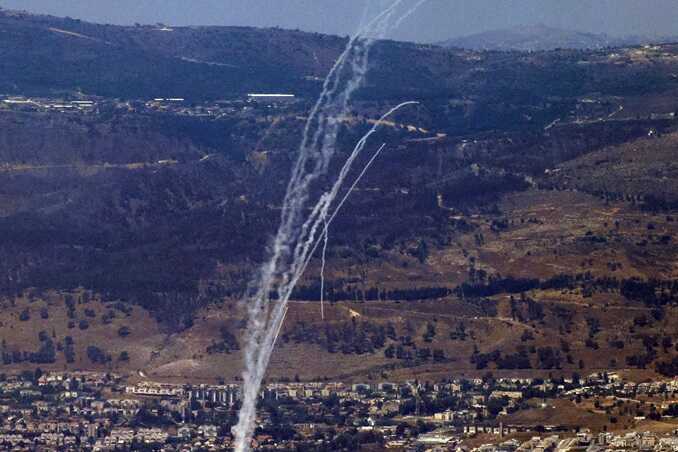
x,y
436,20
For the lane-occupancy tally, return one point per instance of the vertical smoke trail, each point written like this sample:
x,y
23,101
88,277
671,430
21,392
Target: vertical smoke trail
x,y
296,236
322,270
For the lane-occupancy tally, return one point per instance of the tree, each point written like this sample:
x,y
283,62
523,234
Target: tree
x,y
430,332
69,350
494,406
422,251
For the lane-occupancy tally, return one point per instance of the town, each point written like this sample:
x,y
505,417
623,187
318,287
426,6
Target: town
x,y
89,105
103,411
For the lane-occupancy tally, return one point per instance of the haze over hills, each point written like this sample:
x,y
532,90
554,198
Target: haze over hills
x,y
494,234
541,37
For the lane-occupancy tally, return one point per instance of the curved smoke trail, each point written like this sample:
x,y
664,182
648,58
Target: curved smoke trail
x,y
326,231
297,237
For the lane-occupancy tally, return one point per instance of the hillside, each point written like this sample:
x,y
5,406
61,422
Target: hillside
x,y
153,61
540,38
642,169
512,225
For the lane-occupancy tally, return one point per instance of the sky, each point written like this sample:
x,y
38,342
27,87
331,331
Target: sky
x,y
436,20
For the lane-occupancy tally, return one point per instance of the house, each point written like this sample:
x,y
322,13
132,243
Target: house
x,y
511,395
271,98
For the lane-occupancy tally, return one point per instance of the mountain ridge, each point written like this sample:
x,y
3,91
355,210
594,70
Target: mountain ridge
x,y
529,38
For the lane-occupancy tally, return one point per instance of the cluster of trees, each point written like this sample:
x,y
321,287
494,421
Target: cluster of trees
x,y
651,292
354,337
312,293
547,358
518,360
412,352
428,405
496,286
655,203
97,355
46,353
470,189
362,337
651,343
526,309
228,343
459,333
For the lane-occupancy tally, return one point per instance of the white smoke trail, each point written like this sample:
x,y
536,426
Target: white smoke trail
x,y
326,232
296,237
408,13
322,270
272,320
321,209
341,204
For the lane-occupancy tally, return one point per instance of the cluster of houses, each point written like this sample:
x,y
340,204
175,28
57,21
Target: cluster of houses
x,y
612,384
588,442
170,105
22,103
103,411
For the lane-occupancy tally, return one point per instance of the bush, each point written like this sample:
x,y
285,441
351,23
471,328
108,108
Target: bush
x,y
124,331
25,315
